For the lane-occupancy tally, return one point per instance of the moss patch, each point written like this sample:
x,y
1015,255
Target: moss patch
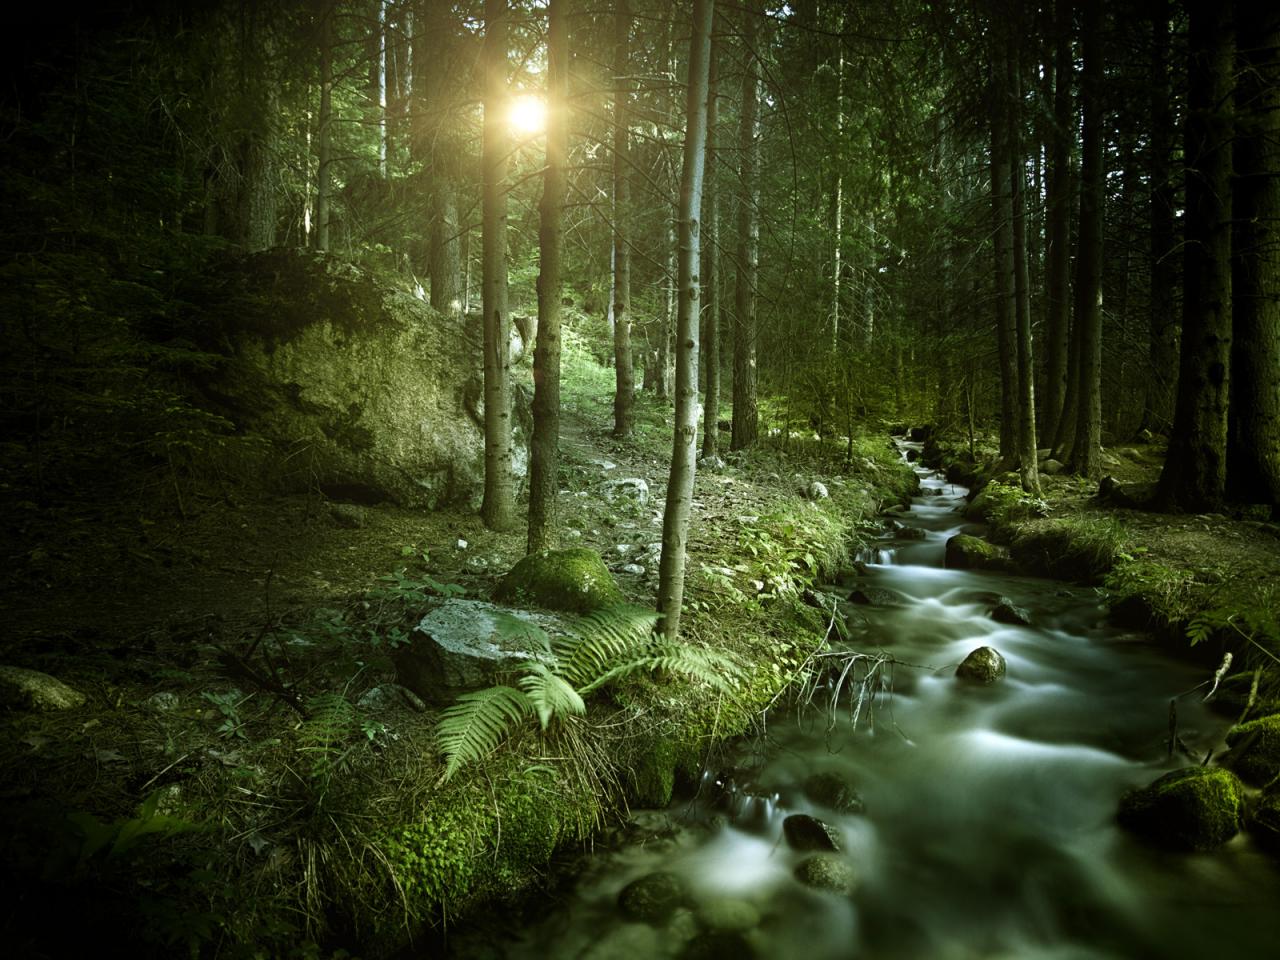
x,y
973,553
575,580
1197,808
1255,750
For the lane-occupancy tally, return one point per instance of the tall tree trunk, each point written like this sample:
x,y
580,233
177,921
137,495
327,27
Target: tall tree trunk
x,y
746,416
1026,398
324,132
1058,227
1253,461
675,519
1086,450
544,460
623,362
1002,232
382,88
1157,406
1194,474
498,507
711,270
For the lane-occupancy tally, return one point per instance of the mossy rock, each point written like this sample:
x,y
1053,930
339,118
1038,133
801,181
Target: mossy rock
x,y
728,915
718,945
652,898
1255,750
964,552
1197,808
575,580
652,769
1264,822
832,791
985,666
825,872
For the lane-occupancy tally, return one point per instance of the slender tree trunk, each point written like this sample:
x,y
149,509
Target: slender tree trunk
x,y
1026,398
746,414
498,508
675,519
1253,461
624,364
544,460
1157,405
382,88
1086,450
1194,475
324,133
1002,232
711,270
1058,228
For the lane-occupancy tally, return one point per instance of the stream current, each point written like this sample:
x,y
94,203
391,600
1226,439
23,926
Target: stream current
x,y
989,826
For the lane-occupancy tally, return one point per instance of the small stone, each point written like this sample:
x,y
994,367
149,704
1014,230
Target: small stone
x,y
477,564
817,491
728,914
804,832
161,702
825,872
623,549
832,791
711,463
652,898
32,690
634,489
634,569
984,665
461,544
1006,611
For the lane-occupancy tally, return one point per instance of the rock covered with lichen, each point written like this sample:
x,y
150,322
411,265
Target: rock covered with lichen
x,y
1196,808
985,665
352,384
575,580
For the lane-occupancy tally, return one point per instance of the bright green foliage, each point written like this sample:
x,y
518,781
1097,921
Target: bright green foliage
x,y
600,649
323,738
575,580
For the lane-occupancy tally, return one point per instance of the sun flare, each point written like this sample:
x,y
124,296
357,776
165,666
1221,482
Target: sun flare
x,y
529,114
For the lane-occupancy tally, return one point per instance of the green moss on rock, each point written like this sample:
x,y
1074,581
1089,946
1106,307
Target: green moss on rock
x,y
575,580
1197,808
1255,750
973,553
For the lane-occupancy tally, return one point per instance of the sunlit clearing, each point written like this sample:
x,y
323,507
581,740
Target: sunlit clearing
x,y
529,114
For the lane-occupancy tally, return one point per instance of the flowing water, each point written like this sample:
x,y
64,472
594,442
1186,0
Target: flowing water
x,y
989,825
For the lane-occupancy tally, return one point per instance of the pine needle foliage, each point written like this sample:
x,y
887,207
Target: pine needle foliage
x,y
600,648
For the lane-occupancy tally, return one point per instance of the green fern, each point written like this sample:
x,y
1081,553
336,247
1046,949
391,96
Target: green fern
x,y
331,720
477,722
600,648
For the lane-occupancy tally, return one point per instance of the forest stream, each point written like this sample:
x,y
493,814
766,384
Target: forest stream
x,y
989,826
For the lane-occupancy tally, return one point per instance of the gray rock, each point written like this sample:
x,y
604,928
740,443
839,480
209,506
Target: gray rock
x,y
912,533
634,569
347,515
984,665
25,689
652,898
832,791
387,697
464,644
1006,611
711,463
633,489
825,872
817,490
874,597
1051,468
805,833
162,702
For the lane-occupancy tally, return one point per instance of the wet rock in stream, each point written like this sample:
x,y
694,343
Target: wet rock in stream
x,y
805,833
825,872
718,945
875,597
1196,808
652,898
964,552
1006,611
1255,750
832,791
728,915
984,665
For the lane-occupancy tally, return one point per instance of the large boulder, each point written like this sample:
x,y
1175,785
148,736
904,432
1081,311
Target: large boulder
x,y
25,689
357,386
1255,750
1196,808
964,552
575,580
464,645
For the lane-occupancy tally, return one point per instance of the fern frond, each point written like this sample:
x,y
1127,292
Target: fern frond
x,y
473,726
599,641
331,720
552,696
510,627
692,662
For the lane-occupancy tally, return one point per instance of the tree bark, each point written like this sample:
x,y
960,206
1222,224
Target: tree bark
x,y
675,520
1194,474
498,507
324,133
746,416
1058,228
544,460
1002,232
1253,461
1086,449
623,362
1157,406
711,271
1026,397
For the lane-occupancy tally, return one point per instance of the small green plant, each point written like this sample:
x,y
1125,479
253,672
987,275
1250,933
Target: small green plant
x,y
229,704
1257,623
89,839
602,648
